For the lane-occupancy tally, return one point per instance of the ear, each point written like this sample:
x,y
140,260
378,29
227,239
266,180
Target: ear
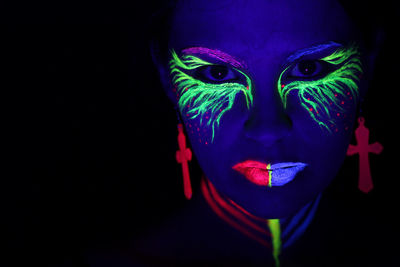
x,y
161,63
372,49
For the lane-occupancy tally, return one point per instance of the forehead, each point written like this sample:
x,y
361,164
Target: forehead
x,y
261,26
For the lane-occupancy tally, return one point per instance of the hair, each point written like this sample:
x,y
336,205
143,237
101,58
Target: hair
x,y
370,21
159,29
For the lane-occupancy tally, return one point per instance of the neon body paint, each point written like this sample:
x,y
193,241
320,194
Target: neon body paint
x,y
267,232
275,229
275,234
321,98
206,101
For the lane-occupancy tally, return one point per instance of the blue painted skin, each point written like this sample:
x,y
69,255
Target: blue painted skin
x,y
264,34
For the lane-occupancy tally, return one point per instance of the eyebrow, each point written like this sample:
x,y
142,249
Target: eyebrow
x,y
311,50
224,57
216,54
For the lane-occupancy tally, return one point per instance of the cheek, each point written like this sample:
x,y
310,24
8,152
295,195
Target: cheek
x,y
204,109
331,111
199,133
213,129
341,113
201,123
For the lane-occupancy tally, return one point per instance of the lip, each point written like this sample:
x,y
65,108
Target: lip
x,y
263,174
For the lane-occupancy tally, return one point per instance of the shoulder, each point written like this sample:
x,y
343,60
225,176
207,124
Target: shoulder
x,y
349,229
194,237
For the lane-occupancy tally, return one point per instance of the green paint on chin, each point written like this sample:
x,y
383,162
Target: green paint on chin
x,y
317,96
196,98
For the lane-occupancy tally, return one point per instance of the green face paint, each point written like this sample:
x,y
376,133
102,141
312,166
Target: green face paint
x,y
196,97
320,97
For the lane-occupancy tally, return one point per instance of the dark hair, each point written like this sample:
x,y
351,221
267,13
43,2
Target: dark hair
x,y
159,28
369,18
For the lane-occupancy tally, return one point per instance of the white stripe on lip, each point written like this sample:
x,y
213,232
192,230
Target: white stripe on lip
x,y
283,173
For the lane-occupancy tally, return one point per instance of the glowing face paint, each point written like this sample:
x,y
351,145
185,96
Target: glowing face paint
x,y
213,53
269,175
320,97
196,98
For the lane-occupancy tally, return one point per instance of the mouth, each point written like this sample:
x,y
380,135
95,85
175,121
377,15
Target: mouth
x,y
263,174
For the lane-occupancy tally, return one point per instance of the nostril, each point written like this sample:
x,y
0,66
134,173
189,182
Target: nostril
x,y
268,131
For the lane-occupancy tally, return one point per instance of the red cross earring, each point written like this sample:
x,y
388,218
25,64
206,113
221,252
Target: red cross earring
x,y
183,156
363,148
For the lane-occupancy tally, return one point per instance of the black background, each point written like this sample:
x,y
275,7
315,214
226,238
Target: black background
x,y
89,138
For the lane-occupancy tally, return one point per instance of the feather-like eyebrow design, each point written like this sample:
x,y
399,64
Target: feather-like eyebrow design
x,y
312,50
197,98
216,54
320,98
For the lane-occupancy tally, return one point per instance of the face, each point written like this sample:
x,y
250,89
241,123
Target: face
x,y
268,92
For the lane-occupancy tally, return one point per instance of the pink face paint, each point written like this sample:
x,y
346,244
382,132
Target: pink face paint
x,y
217,54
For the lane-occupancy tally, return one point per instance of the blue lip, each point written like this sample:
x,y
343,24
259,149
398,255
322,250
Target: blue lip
x,y
283,173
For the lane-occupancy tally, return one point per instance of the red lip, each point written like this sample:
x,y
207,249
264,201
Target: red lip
x,y
256,172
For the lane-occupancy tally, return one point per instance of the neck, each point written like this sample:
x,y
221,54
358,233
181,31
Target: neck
x,y
275,234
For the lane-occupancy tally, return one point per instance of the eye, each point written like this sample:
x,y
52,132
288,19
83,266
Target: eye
x,y
216,74
310,70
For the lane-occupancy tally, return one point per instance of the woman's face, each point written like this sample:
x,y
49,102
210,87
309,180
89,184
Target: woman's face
x,y
268,92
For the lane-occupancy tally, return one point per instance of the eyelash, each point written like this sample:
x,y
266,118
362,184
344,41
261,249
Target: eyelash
x,y
295,72
209,74
314,94
341,68
204,73
317,68
197,97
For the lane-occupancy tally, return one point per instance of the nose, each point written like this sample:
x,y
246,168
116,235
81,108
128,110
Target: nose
x,y
268,122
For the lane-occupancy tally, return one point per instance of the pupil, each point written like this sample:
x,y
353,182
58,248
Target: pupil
x,y
218,72
307,67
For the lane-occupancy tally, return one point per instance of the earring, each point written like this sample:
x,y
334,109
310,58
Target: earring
x,y
363,148
183,155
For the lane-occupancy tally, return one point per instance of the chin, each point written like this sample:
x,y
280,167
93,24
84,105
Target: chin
x,y
279,203
278,212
